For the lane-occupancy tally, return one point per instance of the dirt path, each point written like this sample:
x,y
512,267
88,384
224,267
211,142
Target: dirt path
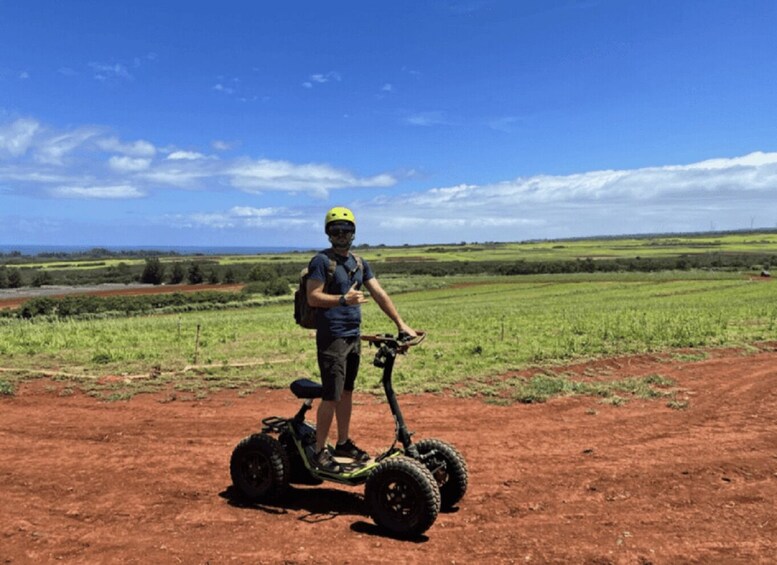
x,y
569,481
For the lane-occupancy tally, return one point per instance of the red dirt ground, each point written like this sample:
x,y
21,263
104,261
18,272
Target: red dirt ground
x,y
568,481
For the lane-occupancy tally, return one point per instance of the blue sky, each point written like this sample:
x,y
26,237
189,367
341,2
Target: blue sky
x,y
242,122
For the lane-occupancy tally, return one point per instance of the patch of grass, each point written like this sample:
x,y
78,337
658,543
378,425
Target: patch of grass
x,y
542,387
6,388
614,400
677,404
498,401
643,387
690,357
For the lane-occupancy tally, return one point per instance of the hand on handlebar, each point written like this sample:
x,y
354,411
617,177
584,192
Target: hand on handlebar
x,y
402,341
406,332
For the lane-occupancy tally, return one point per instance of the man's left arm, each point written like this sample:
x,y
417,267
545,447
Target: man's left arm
x,y
387,305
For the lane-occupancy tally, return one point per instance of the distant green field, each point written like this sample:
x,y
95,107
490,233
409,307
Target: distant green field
x,y
663,246
581,249
479,328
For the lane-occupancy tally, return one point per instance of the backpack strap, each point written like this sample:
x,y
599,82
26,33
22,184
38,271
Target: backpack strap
x,y
359,263
330,273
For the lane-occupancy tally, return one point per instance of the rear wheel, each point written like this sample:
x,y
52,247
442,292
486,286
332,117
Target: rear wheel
x,y
449,469
402,496
260,468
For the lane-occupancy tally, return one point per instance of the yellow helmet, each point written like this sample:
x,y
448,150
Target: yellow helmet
x,y
339,214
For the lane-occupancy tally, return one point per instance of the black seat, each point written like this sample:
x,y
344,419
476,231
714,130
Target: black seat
x,y
305,388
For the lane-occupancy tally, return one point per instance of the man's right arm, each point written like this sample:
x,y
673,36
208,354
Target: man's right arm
x,y
317,298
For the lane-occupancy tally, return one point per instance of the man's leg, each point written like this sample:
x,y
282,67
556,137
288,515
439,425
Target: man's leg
x,y
345,408
343,411
324,415
331,364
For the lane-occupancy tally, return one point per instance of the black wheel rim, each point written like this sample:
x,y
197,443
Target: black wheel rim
x,y
255,468
399,498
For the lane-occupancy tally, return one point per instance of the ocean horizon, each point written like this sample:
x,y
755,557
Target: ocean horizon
x,y
32,250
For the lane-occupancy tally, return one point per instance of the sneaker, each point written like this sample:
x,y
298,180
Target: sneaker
x,y
349,449
325,462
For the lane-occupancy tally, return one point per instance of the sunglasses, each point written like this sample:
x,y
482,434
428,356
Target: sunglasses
x,y
338,231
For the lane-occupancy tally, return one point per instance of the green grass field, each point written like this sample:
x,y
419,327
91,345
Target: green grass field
x,y
479,328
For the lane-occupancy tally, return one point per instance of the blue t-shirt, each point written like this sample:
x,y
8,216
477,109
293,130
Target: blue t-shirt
x,y
340,321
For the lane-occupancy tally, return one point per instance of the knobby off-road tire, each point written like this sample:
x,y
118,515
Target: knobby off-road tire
x,y
260,468
402,496
452,478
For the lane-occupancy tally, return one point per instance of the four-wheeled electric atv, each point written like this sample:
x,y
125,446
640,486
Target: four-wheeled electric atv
x,y
405,487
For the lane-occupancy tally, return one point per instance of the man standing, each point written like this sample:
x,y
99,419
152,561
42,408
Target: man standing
x,y
338,296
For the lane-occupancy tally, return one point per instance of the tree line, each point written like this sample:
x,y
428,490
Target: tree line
x,y
275,278
271,277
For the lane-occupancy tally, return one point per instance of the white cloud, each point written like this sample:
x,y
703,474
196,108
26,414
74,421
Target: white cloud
x,y
140,148
185,156
725,191
243,217
426,119
220,145
322,78
128,164
107,71
225,89
263,174
183,176
88,162
609,185
36,158
52,150
217,221
249,212
16,137
32,176
755,159
98,192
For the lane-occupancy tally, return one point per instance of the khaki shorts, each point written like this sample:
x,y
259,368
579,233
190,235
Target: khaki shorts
x,y
338,361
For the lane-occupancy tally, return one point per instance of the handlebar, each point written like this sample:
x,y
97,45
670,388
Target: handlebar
x,y
400,343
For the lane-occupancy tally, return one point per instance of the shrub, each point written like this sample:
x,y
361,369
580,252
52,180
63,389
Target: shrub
x,y
195,275
177,273
154,272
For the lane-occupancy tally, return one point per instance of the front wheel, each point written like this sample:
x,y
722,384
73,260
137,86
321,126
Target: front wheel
x,y
448,467
402,496
260,468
